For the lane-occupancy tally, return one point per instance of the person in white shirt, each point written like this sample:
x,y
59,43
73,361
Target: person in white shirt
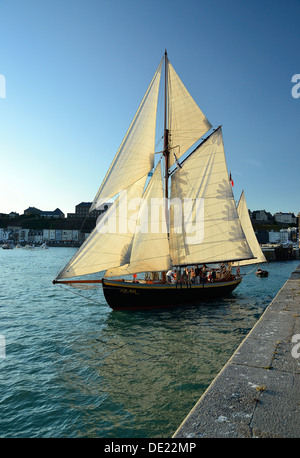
x,y
170,275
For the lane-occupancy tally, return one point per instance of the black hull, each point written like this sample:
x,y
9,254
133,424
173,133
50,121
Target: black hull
x,y
130,296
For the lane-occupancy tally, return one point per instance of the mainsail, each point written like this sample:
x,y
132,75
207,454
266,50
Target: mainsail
x,y
210,231
135,157
243,213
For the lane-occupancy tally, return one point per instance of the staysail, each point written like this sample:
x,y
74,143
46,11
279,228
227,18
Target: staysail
x,y
210,229
243,213
150,246
135,157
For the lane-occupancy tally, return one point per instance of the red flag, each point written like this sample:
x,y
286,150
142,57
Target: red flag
x,y
231,180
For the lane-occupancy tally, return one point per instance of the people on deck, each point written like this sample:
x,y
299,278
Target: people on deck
x,y
170,275
213,275
198,275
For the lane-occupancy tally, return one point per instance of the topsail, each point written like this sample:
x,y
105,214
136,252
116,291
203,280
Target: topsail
x,y
187,123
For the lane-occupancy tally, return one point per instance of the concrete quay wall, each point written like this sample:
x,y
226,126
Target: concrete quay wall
x,y
257,393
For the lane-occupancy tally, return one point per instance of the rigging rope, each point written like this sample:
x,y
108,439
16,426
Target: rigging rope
x,y
81,295
255,267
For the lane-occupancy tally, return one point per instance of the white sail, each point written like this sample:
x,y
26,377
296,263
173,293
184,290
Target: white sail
x,y
150,248
135,157
117,271
110,243
243,213
210,230
186,121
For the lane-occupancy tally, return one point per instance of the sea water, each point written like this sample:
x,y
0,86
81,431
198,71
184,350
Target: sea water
x,y
72,367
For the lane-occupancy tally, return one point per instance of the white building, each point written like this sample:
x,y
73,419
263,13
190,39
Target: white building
x,y
288,218
260,215
49,235
278,237
60,235
2,234
6,234
35,236
23,235
66,235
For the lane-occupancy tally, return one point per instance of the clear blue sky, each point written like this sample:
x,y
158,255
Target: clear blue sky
x,y
76,71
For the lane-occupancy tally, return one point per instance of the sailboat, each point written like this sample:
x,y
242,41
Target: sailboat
x,y
243,213
172,209
259,257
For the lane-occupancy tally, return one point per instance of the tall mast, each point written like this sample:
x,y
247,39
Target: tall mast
x,y
166,132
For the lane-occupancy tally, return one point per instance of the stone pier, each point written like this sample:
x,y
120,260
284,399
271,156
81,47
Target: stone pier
x,y
257,393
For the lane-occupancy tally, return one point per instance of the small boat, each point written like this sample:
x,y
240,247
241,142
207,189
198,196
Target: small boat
x,y
18,246
172,208
7,246
44,246
29,247
261,273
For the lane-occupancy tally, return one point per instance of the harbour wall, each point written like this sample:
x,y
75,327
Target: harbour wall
x,y
257,393
281,253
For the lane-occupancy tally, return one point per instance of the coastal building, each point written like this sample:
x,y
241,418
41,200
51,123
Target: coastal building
x,y
23,235
13,215
261,216
13,233
82,210
61,235
35,236
49,235
278,237
3,235
69,236
57,213
32,211
292,233
286,218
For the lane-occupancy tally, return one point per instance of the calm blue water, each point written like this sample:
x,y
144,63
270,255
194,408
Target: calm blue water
x,y
75,368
